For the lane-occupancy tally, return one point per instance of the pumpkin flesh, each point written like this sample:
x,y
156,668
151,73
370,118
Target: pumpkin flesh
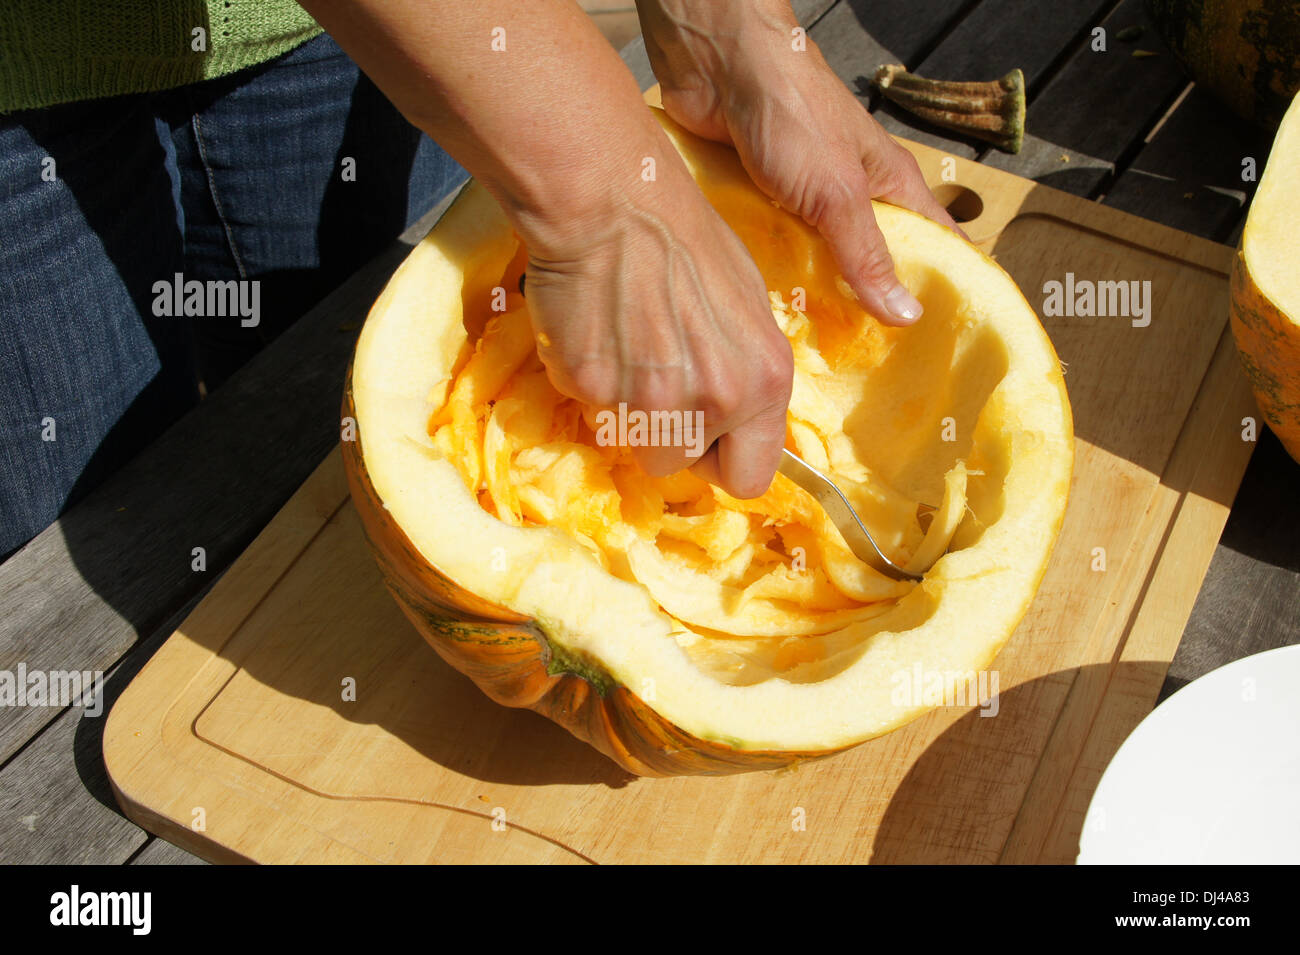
x,y
1265,310
771,567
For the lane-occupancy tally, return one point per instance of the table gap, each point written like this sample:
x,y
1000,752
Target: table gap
x,y
1134,149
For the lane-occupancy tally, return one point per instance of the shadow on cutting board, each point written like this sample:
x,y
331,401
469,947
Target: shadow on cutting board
x,y
439,739
986,791
316,686
278,700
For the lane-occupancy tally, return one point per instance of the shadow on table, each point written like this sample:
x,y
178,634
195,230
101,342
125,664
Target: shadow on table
x,y
1265,519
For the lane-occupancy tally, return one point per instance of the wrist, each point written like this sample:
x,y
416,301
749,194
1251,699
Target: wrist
x,y
715,42
564,204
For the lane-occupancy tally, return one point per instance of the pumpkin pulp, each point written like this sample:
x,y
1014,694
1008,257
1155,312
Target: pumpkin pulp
x,y
773,567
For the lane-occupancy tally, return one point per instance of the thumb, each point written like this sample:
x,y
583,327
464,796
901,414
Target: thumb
x,y
849,227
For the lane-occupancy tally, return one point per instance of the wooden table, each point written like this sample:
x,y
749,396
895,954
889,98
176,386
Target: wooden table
x,y
102,588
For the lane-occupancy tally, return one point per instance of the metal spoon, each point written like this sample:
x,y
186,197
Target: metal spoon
x,y
841,513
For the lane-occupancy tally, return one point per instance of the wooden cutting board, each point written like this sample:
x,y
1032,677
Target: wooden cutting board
x,y
297,717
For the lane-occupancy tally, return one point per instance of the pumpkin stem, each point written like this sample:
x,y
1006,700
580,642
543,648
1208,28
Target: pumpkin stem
x,y
993,111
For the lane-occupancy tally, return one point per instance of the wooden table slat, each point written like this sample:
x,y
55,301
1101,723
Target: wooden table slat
x,y
860,35
1189,176
1250,599
59,778
56,804
1096,107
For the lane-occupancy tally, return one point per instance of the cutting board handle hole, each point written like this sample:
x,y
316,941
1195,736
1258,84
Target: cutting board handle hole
x,y
964,205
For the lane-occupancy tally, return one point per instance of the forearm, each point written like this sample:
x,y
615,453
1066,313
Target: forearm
x,y
553,125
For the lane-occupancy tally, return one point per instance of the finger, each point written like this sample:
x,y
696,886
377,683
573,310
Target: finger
x,y
683,442
849,226
744,457
747,456
678,448
707,466
665,433
592,383
907,188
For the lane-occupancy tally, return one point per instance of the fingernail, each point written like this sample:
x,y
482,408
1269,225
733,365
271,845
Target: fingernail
x,y
902,305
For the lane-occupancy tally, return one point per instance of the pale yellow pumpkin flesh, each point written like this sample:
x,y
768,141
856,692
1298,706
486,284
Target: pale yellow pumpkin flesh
x,y
1265,309
692,600
771,567
1269,242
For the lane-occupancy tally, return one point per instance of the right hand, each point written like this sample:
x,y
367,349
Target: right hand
x,y
729,73
656,303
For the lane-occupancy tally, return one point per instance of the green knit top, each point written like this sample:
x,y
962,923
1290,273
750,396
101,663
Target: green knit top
x,y
62,51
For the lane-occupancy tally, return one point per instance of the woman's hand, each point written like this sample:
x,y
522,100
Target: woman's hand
x,y
638,291
736,73
655,303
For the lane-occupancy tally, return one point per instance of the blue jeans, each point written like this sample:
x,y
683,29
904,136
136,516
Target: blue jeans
x,y
293,173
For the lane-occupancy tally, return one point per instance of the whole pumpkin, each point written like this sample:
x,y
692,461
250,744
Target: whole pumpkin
x,y
1245,52
675,629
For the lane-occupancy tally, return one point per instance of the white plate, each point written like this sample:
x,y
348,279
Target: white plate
x,y
1212,775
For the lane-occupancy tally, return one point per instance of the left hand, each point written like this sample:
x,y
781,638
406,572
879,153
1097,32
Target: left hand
x,y
733,73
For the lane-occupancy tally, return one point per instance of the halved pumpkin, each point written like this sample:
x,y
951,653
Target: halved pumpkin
x,y
1265,310
674,628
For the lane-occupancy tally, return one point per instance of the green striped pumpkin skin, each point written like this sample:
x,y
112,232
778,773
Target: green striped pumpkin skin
x,y
1245,52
